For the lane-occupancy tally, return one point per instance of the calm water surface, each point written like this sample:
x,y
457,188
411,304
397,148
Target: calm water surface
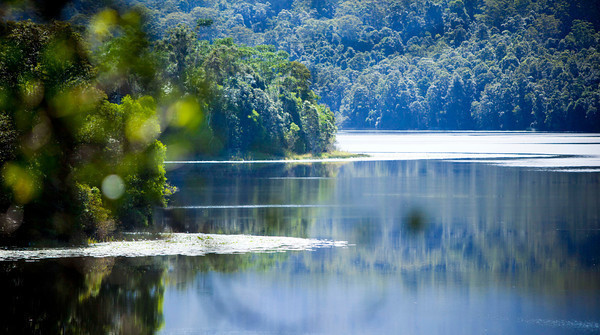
x,y
437,246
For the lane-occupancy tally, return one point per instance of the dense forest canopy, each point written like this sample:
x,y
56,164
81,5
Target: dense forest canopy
x,y
238,100
74,165
86,111
406,64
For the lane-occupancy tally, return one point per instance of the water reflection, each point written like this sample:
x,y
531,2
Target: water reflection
x,y
82,295
473,216
406,214
257,199
439,247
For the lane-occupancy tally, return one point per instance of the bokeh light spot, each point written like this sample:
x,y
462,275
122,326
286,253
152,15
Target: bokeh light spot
x,y
113,187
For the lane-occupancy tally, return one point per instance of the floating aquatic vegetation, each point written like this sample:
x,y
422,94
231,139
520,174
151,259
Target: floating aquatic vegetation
x,y
176,244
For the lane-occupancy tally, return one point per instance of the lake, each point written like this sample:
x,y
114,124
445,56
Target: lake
x,y
440,233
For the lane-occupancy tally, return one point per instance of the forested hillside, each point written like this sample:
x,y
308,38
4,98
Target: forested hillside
x,y
405,64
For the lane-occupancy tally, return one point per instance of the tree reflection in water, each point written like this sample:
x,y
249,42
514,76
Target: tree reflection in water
x,y
82,295
462,239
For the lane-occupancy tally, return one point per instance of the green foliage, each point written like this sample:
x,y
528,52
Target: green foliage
x,y
121,53
243,100
95,220
124,138
407,64
204,23
79,121
73,164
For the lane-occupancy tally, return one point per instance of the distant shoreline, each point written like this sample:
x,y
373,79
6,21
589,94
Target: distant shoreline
x,y
308,158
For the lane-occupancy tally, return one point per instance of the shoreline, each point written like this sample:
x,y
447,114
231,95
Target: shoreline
x,y
334,156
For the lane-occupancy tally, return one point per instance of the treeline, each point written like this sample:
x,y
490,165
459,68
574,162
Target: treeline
x,y
84,113
407,64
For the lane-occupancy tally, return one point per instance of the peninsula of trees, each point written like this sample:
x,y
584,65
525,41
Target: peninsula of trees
x,y
86,111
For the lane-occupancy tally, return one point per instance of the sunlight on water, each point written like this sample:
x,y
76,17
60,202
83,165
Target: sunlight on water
x,y
177,244
518,149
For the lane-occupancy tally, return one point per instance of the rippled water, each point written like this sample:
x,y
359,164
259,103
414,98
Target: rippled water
x,y
461,245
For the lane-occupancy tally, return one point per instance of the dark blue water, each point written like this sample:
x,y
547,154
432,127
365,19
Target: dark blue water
x,y
436,247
